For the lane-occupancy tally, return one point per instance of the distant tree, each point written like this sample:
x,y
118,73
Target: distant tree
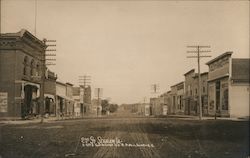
x,y
113,108
105,106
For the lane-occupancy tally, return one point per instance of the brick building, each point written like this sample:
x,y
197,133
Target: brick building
x,y
228,86
21,65
50,92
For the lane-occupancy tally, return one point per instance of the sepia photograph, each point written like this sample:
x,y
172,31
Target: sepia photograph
x,y
124,78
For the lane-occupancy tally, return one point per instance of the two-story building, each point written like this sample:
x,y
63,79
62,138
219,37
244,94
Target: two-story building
x,y
228,86
50,92
22,74
191,93
204,95
60,98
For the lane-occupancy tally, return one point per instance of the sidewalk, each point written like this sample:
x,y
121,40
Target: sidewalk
x,y
192,117
45,120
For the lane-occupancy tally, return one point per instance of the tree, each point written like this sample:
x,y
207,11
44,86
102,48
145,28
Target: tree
x,y
113,108
105,106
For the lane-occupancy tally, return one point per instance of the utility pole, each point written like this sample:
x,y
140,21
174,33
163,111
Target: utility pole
x,y
44,67
98,93
198,55
85,80
0,16
35,16
155,88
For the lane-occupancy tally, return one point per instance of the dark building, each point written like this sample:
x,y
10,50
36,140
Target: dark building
x,y
87,106
191,93
50,92
21,65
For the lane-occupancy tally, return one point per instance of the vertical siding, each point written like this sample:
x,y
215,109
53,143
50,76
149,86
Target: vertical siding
x,y
239,101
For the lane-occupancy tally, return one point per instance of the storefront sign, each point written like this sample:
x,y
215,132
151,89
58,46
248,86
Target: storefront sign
x,y
3,101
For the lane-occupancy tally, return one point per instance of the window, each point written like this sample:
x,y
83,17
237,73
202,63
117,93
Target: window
x,y
224,87
32,67
25,65
196,91
203,89
38,72
24,70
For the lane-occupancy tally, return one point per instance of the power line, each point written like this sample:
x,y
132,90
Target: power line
x,y
198,51
85,80
155,88
50,48
43,77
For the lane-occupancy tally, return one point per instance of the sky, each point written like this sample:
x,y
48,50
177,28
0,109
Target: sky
x,y
126,46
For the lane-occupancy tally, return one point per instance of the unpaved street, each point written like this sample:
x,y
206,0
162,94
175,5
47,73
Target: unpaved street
x,y
170,137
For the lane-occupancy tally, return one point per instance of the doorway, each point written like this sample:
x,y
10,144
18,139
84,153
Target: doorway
x,y
217,96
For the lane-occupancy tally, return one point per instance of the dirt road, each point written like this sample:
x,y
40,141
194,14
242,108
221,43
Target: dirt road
x,y
131,134
170,138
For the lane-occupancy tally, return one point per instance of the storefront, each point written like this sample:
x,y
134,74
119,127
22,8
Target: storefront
x,y
29,99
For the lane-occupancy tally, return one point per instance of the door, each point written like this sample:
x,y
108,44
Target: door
x,y
217,96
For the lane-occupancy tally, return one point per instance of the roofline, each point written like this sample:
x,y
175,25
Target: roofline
x,y
218,57
67,83
21,34
178,84
189,72
202,74
58,82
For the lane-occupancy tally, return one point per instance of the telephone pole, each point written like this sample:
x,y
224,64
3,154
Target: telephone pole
x,y
155,88
198,55
46,62
98,93
35,17
1,16
84,80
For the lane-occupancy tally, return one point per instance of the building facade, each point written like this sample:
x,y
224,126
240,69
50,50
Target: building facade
x,y
77,102
191,97
204,94
50,92
177,99
87,106
228,86
69,100
60,98
157,106
21,79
